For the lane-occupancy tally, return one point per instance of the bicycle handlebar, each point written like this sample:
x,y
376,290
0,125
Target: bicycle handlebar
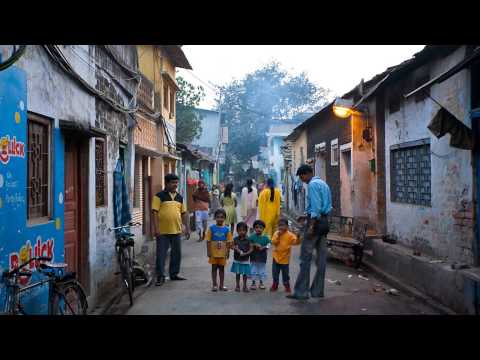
x,y
131,224
17,271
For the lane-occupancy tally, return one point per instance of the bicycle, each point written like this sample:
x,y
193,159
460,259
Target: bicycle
x,y
66,295
129,268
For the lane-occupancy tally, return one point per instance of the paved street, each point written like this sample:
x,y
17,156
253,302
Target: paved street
x,y
354,296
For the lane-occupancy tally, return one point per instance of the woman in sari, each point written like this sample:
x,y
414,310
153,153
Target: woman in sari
x,y
269,207
248,204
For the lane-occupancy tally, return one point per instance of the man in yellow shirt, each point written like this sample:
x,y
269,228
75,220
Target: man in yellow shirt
x,y
282,241
168,211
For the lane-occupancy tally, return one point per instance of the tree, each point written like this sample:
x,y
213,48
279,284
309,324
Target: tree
x,y
189,125
250,104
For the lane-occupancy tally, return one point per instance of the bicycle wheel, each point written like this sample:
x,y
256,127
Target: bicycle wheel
x,y
127,275
69,299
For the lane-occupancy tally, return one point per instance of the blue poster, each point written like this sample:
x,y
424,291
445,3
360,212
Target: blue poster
x,y
19,240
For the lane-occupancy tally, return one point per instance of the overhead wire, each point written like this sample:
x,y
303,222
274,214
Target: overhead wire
x,y
57,56
16,54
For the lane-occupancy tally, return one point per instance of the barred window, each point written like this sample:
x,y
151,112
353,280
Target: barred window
x,y
39,179
100,172
410,173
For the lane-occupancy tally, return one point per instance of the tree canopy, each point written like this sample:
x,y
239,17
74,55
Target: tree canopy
x,y
250,105
189,125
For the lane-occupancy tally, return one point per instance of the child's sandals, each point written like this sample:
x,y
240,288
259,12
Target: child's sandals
x,y
261,286
253,287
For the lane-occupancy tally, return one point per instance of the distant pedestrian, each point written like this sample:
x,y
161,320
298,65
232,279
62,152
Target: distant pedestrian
x,y
269,207
215,202
201,200
249,204
219,241
282,242
319,205
242,248
168,212
228,200
261,244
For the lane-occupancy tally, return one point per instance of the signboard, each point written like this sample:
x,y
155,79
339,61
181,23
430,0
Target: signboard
x,y
18,240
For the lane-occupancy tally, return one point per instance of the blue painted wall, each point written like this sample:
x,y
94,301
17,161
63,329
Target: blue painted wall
x,y
18,240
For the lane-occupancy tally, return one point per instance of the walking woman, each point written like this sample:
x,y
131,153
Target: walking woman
x,y
269,207
228,200
215,204
249,204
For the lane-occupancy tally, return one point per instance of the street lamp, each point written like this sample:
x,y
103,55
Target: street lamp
x,y
343,108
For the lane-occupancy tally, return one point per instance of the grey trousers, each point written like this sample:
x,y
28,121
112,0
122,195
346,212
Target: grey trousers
x,y
302,285
163,243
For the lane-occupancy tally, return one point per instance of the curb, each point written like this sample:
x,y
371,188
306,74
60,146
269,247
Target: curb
x,y
409,290
397,283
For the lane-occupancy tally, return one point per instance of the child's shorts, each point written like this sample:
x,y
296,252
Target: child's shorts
x,y
258,271
217,261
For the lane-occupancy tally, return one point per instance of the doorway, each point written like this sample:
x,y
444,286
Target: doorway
x,y
75,207
147,197
346,183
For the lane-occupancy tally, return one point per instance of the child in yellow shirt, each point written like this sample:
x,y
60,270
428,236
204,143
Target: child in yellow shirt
x,y
219,241
282,242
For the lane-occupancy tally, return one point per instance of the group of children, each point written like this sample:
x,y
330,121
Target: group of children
x,y
249,253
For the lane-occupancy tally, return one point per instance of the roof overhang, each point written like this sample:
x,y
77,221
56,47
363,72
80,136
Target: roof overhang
x,y
81,128
177,56
449,73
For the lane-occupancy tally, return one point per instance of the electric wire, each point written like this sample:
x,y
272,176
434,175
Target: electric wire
x,y
16,54
57,56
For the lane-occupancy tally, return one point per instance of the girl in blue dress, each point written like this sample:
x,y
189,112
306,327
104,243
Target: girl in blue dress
x,y
242,248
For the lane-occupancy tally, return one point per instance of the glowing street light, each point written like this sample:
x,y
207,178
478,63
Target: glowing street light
x,y
343,108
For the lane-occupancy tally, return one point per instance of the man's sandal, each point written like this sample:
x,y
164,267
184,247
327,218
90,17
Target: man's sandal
x,y
245,289
237,289
223,288
214,288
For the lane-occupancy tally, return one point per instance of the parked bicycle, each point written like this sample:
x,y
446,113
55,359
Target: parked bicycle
x,y
129,268
65,294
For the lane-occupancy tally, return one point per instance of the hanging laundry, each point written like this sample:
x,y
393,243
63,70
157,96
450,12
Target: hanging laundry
x,y
445,122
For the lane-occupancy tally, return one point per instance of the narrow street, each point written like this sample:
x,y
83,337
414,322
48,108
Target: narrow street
x,y
355,296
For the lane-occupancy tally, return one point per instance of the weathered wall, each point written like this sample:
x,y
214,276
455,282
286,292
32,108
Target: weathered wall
x,y
116,126
363,179
210,135
325,128
51,92
432,229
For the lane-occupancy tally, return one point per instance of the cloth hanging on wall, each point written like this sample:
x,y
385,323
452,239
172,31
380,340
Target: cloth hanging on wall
x,y
121,205
445,122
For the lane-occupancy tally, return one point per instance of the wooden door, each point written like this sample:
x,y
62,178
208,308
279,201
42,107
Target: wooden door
x,y
72,221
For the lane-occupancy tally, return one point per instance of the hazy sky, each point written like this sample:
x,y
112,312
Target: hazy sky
x,y
337,67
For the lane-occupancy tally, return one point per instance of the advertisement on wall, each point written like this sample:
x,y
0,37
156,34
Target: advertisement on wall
x,y
19,240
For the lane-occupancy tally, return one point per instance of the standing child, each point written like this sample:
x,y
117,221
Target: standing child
x,y
219,241
242,248
282,241
258,258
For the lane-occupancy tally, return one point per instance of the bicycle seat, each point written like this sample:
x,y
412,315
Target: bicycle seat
x,y
126,235
71,275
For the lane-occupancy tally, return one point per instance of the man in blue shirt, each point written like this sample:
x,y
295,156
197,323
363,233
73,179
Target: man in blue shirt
x,y
319,205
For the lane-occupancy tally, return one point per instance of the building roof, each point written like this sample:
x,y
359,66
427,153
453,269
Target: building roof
x,y
296,131
194,152
177,56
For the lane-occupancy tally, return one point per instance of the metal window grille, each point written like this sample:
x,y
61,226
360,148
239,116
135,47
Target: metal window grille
x,y
411,174
100,172
39,182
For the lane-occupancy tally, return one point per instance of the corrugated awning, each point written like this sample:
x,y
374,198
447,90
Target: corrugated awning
x,y
449,73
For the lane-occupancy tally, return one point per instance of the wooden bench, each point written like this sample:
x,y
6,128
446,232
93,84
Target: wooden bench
x,y
348,232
